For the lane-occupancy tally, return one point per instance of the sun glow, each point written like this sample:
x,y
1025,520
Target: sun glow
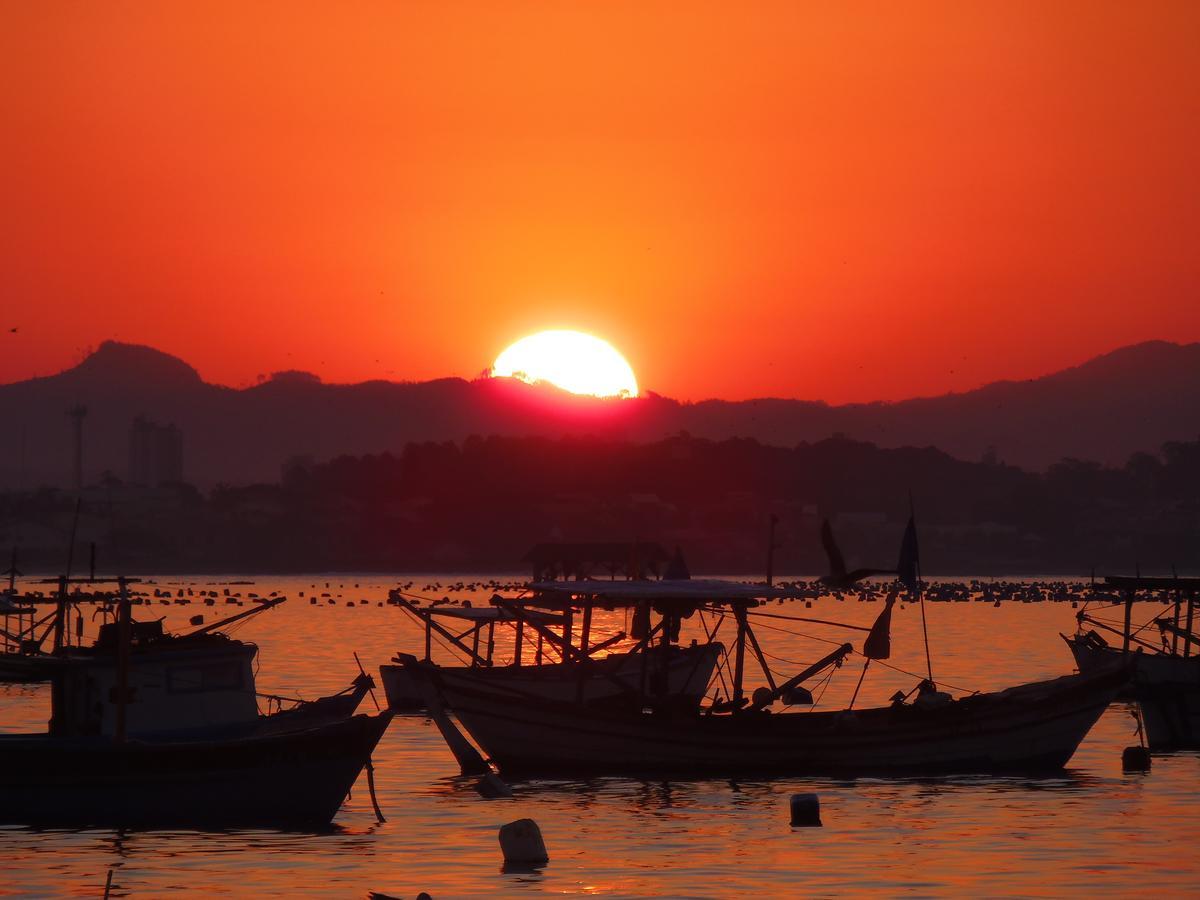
x,y
571,360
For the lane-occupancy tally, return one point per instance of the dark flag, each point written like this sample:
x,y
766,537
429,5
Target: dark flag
x,y
910,558
677,570
878,644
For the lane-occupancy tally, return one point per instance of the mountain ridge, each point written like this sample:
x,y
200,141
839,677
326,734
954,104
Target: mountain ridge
x,y
1128,399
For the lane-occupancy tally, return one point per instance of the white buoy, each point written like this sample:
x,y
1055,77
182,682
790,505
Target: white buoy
x,y
492,787
806,811
521,842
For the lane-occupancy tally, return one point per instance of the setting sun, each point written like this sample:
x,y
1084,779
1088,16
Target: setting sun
x,y
571,360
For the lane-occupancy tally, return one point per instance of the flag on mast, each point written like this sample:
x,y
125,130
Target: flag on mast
x,y
878,644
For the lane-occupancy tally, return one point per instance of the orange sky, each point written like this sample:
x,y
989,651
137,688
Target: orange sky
x,y
848,201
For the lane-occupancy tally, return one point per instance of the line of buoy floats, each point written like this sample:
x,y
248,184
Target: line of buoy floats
x,y
974,591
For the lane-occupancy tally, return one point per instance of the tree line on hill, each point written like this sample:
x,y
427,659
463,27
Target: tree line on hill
x,y
478,505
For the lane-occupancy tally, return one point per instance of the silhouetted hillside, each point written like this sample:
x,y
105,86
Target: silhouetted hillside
x,y
480,504
1131,399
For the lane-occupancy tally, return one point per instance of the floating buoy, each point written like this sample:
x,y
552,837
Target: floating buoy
x,y
806,811
1135,759
521,842
492,787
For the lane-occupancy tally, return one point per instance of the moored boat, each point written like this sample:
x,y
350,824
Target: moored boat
x,y
1165,677
1030,728
287,779
152,729
564,660
1033,727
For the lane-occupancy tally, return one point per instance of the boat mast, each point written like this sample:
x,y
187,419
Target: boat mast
x,y
1129,598
739,611
12,572
124,631
771,548
60,613
1187,644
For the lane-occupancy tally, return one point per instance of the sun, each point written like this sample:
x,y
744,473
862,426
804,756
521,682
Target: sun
x,y
571,360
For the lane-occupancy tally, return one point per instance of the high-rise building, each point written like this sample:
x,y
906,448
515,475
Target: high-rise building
x,y
155,453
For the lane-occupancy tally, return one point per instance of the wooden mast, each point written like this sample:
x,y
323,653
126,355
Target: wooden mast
x,y
1187,645
124,635
1129,597
60,616
739,610
771,548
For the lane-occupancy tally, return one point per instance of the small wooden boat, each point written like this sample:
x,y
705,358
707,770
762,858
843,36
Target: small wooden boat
x,y
612,680
582,673
1165,677
152,729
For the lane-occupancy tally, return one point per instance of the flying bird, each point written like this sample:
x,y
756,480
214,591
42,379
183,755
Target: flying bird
x,y
838,578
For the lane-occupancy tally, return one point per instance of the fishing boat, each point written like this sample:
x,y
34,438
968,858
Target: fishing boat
x,y
202,679
148,728
561,668
1165,680
180,684
1028,728
285,779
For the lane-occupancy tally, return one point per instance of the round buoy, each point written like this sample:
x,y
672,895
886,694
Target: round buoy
x,y
806,811
493,787
1135,759
521,842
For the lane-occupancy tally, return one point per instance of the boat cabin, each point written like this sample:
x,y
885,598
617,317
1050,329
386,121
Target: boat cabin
x,y
174,684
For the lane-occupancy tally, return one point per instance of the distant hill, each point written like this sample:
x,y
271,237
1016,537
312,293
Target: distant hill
x,y
1131,399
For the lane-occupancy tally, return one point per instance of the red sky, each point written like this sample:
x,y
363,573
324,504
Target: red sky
x,y
836,201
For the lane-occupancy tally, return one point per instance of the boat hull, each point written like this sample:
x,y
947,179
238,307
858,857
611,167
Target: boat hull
x,y
605,681
26,668
289,780
1030,728
1166,689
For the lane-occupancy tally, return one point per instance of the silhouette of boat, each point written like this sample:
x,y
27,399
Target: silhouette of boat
x,y
1031,728
1165,678
285,779
148,728
202,679
582,672
568,665
1028,728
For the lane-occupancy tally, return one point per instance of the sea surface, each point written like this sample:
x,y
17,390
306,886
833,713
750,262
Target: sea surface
x,y
1092,829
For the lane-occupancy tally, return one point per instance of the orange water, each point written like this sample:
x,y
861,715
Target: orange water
x,y
1091,829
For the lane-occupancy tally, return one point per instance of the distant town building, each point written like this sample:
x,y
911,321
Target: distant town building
x,y
155,453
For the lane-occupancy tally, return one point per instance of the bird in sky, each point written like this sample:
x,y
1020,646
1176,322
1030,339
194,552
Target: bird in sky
x,y
838,578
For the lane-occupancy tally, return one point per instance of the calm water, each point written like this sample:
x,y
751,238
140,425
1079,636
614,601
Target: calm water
x,y
1092,829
